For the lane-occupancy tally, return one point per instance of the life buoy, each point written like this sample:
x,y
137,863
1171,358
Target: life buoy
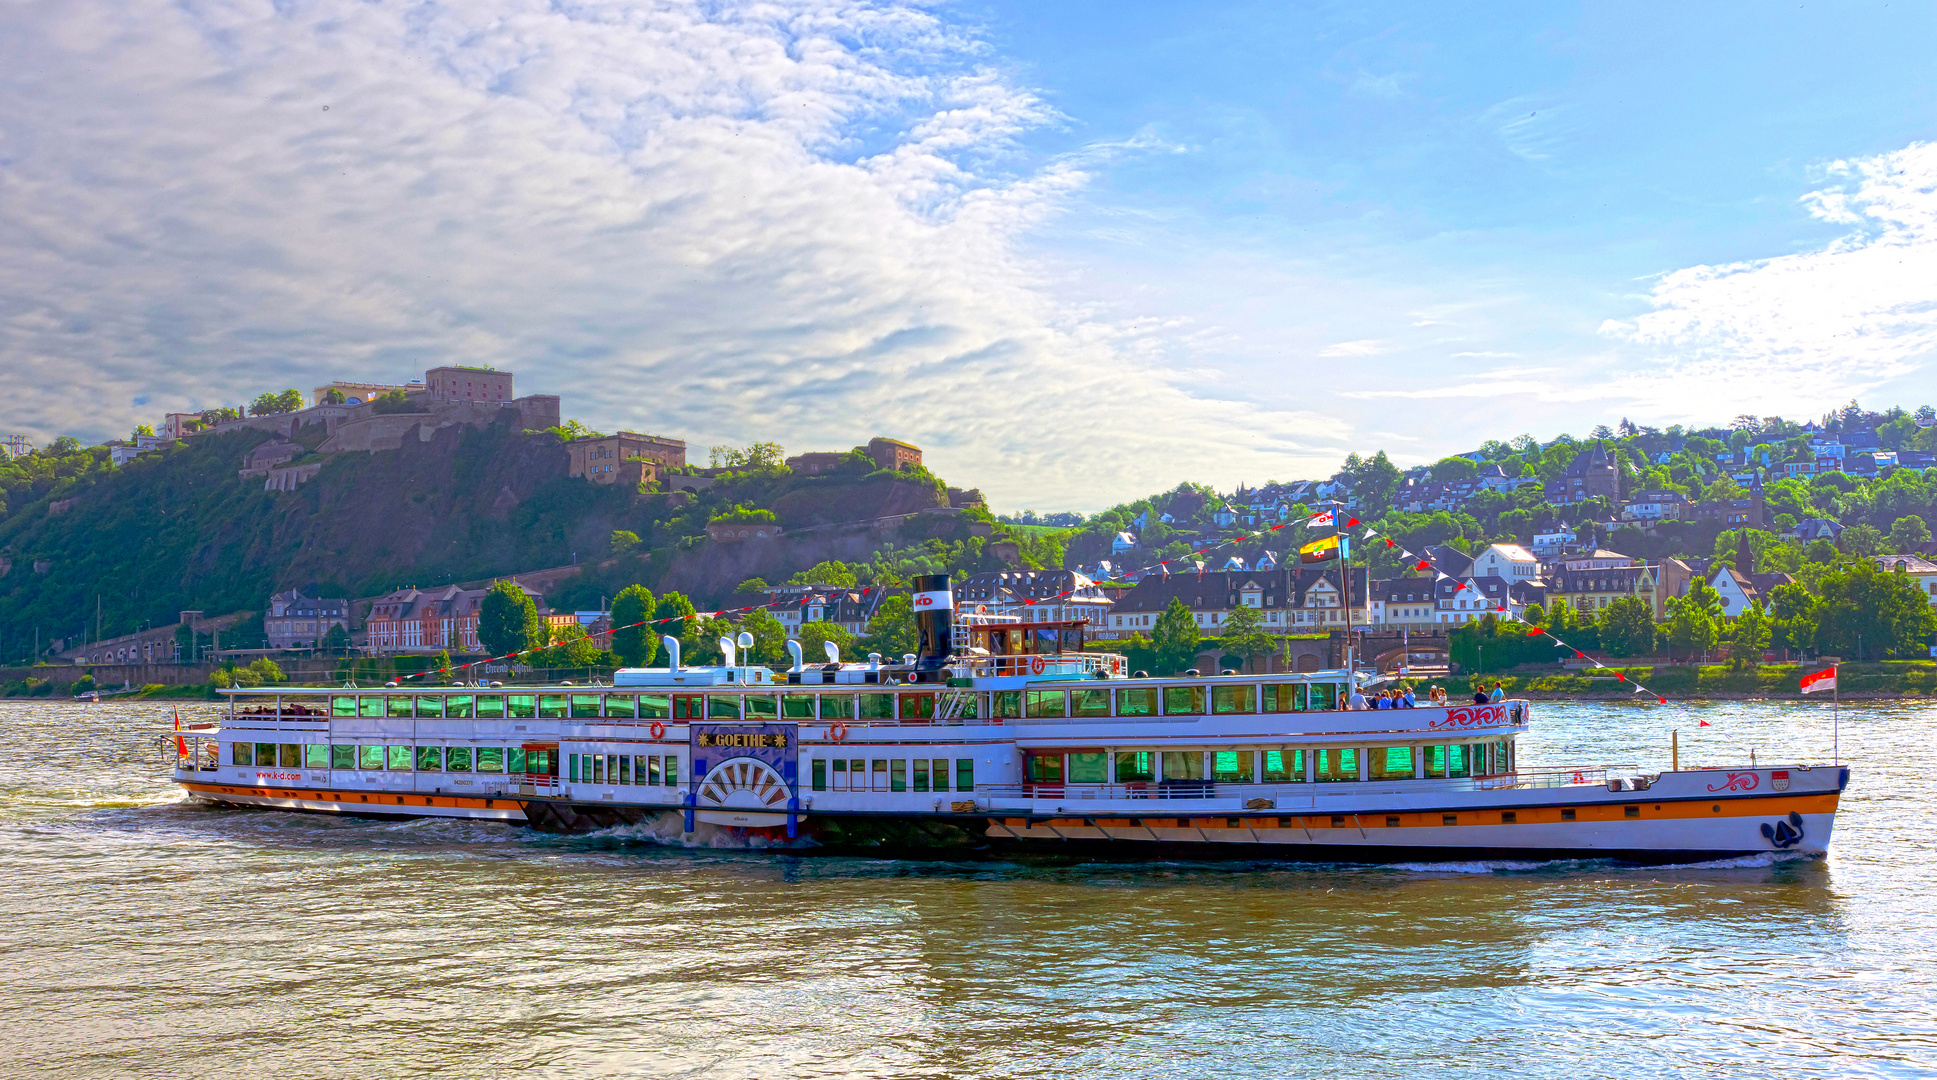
x,y
1116,665
837,732
1036,665
658,730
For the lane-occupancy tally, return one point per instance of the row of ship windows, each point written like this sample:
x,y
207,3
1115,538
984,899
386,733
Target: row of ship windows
x,y
387,758
645,770
1322,764
890,774
1241,698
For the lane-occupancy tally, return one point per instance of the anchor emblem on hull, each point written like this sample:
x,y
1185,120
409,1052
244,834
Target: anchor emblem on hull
x,y
1784,834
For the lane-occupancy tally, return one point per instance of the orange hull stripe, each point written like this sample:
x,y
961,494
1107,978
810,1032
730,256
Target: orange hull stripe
x,y
1765,806
360,799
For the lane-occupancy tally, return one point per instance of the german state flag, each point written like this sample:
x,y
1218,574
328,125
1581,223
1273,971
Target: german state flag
x,y
1319,550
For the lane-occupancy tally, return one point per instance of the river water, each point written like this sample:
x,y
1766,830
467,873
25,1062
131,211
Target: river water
x,y
146,936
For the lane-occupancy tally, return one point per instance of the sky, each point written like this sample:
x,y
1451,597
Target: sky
x,y
1079,252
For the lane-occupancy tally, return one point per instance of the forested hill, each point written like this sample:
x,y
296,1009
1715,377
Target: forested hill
x,y
178,529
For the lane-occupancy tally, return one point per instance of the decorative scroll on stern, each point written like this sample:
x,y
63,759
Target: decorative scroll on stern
x,y
744,792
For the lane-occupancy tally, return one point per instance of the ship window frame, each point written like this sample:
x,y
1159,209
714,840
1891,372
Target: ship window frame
x,y
489,707
938,773
458,759
1092,768
875,706
460,706
1242,766
1141,766
521,706
1192,695
427,758
553,707
595,703
1087,701
398,757
621,706
430,706
343,705
1244,697
964,774
817,770
370,706
918,774
723,706
1149,706
399,705
760,708
316,755
343,756
797,707
838,706
371,757
1343,773
655,707
483,753
1379,759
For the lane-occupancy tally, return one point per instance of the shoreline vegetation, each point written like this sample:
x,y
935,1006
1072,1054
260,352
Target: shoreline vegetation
x,y
1883,680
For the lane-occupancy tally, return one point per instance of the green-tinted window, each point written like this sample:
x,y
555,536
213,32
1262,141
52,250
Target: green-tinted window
x,y
316,756
1231,766
652,770
265,754
242,753
1136,767
625,768
430,759
1043,768
585,706
1089,702
1389,763
551,706
1284,766
1007,704
723,707
490,759
289,755
1284,697
837,706
1234,699
400,705
514,759
541,763
917,706
797,706
897,775
921,774
369,706
655,707
762,707
343,705
598,768
457,759
369,758
971,710
877,706
342,757
490,706
458,705
1089,767
1456,761
1045,704
1183,701
672,770
1341,763
1183,765
1137,701
430,705
1435,761
964,774
399,757
941,773
571,767
820,773
520,706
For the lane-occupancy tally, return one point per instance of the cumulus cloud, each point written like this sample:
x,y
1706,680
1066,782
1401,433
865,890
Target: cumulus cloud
x,y
1787,332
790,221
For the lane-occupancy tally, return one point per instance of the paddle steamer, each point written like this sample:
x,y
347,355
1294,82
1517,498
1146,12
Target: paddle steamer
x,y
997,735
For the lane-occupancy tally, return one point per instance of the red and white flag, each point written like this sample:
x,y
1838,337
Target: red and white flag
x,y
1320,521
1822,680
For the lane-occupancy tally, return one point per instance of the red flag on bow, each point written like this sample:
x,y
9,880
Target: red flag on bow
x,y
181,744
1822,680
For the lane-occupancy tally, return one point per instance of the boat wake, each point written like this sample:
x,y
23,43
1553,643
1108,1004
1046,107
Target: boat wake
x,y
1761,860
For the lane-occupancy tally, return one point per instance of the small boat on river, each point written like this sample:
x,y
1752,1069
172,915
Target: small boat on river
x,y
998,735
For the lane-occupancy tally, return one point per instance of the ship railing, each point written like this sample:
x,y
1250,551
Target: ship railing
x,y
1083,664
538,785
1275,793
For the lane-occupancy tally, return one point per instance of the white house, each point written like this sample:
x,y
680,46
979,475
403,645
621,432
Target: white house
x,y
1920,569
1124,542
1552,541
1509,561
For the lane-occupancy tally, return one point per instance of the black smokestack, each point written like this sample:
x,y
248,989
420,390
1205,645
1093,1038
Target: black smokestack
x,y
934,620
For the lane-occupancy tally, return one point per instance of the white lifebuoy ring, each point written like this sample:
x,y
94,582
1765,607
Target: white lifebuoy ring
x,y
1036,665
658,730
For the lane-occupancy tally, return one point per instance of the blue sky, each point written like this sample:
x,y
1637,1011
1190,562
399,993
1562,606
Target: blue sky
x,y
1078,251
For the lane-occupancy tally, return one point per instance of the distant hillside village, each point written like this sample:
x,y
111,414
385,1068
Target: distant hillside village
x,y
1757,540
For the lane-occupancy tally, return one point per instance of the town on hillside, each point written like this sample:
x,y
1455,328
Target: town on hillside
x,y
1766,539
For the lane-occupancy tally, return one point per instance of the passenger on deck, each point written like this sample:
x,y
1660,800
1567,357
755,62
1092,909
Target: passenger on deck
x,y
1358,700
1384,700
1499,693
1407,700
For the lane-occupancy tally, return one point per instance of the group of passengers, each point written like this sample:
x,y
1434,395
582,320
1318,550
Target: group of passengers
x,y
1403,697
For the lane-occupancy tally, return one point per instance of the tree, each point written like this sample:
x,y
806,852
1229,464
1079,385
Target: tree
x,y
333,396
1691,619
756,456
814,634
678,610
1452,469
837,574
1244,634
1374,483
1748,638
624,542
1601,431
337,640
1862,541
1792,611
892,630
1174,638
769,639
751,585
1909,533
273,404
571,647
1628,627
143,429
635,645
441,664
1819,551
507,620
1865,612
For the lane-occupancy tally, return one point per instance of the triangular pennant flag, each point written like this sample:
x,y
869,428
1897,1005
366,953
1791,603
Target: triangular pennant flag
x,y
1424,565
1351,522
1664,701
1389,543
